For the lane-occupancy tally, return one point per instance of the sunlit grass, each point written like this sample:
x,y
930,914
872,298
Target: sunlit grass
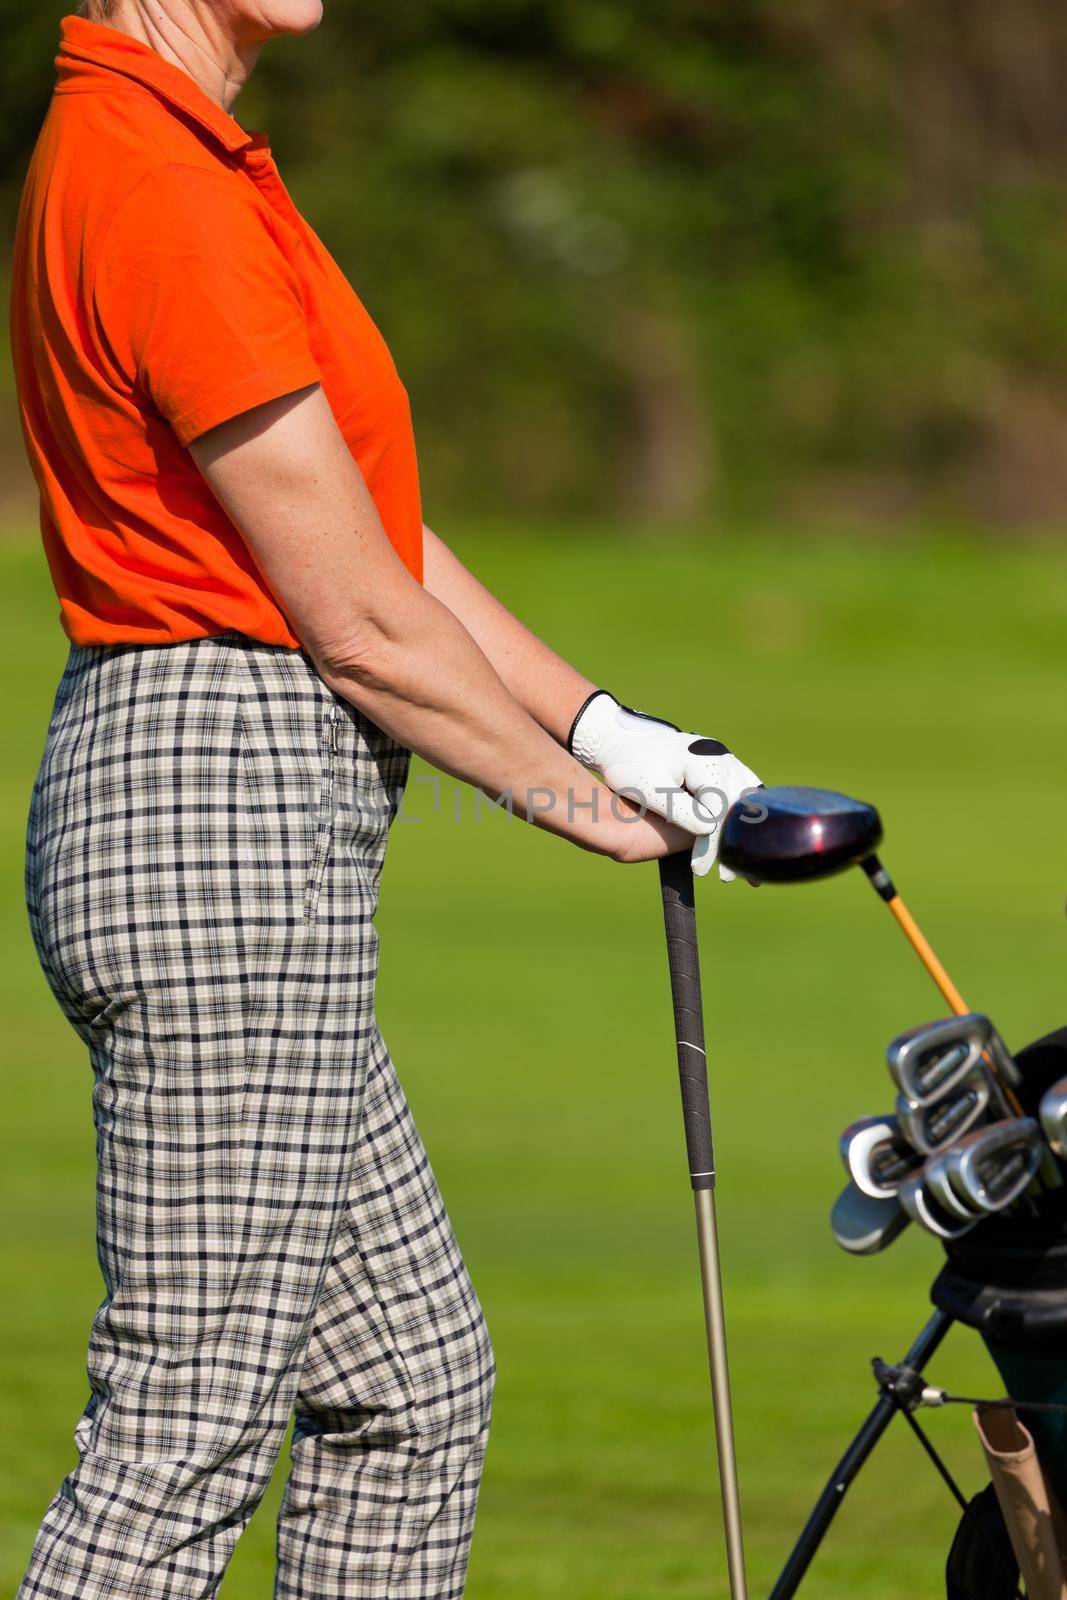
x,y
523,993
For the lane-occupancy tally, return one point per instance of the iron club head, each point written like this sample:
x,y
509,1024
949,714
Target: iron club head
x,y
790,835
928,1061
930,1128
939,1186
915,1198
863,1225
876,1156
1053,1115
991,1167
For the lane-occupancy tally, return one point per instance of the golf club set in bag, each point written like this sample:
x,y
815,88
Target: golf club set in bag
x,y
955,1149
971,1152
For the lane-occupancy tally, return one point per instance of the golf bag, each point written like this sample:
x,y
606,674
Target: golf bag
x,y
1008,1280
1006,1275
981,1563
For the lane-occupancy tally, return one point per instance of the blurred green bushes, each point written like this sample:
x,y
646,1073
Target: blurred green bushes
x,y
735,258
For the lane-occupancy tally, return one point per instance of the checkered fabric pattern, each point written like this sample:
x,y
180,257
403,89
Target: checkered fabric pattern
x,y
205,845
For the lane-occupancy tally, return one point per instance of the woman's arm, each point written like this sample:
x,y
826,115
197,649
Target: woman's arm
x,y
689,778
380,640
549,688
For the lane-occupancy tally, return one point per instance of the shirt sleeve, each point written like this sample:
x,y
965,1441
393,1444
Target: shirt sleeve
x,y
197,302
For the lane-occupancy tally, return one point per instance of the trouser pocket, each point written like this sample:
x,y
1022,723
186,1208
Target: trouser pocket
x,y
324,820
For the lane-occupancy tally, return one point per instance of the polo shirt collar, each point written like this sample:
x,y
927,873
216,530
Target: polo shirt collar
x,y
84,43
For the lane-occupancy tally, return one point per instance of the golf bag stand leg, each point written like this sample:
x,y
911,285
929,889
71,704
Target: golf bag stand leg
x,y
847,1470
679,915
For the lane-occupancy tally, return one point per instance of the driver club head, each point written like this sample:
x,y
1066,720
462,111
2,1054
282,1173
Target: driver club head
x,y
792,835
876,1156
1053,1115
863,1225
993,1166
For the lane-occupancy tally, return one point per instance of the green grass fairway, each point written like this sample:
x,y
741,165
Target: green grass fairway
x,y
524,996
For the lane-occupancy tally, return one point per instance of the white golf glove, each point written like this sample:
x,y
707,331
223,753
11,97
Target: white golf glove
x,y
691,780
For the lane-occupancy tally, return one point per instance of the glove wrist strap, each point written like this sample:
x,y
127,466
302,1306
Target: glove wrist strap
x,y
594,717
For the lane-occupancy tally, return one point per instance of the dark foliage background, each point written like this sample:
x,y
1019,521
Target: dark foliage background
x,y
707,258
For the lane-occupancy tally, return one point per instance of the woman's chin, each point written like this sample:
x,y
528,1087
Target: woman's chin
x,y
293,16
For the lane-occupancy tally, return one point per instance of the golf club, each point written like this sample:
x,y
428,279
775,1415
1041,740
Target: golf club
x,y
917,1200
877,1157
939,1185
992,1167
863,1225
796,834
929,1060
922,1070
929,1129
679,916
1053,1115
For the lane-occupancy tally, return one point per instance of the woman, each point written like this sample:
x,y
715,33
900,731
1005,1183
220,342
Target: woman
x,y
261,629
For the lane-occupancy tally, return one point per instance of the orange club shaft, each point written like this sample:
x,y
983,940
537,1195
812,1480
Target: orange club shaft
x,y
926,954
886,889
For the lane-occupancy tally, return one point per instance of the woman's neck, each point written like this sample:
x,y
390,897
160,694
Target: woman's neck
x,y
190,37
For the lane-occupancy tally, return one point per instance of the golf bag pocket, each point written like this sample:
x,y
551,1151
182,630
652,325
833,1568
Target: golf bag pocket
x,y
1031,1514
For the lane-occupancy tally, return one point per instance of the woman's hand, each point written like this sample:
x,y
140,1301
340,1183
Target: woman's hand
x,y
646,837
690,779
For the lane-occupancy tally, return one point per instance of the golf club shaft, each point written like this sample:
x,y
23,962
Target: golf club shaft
x,y
886,890
921,945
679,916
715,1323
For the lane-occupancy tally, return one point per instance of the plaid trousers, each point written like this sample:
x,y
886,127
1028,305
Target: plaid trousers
x,y
205,844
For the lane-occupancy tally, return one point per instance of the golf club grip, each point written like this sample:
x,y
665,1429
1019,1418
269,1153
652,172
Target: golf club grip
x,y
680,923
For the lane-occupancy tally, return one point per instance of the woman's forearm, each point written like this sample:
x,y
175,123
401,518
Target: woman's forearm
x,y
548,687
386,644
423,678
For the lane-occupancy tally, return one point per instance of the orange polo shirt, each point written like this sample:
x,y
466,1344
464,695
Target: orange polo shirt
x,y
163,283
